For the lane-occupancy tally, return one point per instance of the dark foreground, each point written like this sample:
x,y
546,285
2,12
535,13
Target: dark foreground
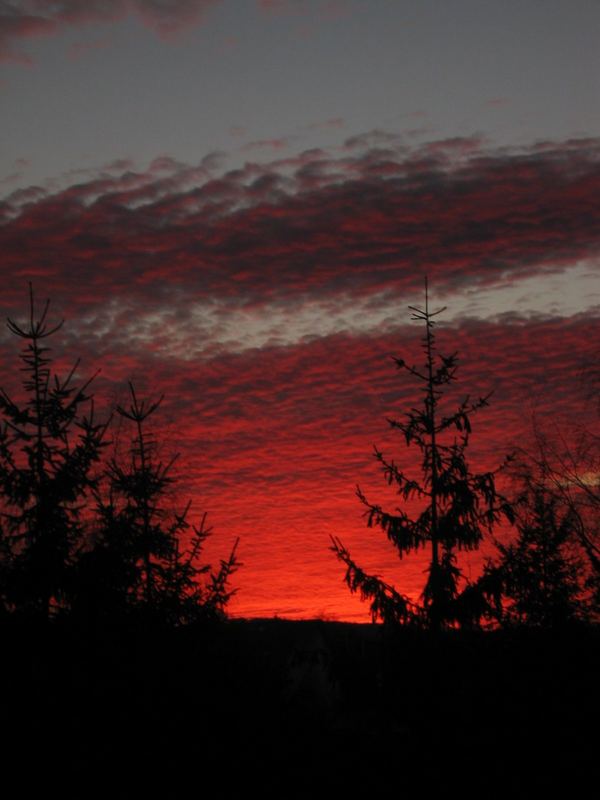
x,y
298,709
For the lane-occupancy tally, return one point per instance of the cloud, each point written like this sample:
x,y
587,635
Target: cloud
x,y
372,138
273,441
266,301
17,24
28,19
168,17
35,18
313,225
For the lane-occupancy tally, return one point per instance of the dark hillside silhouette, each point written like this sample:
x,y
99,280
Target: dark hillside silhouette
x,y
160,712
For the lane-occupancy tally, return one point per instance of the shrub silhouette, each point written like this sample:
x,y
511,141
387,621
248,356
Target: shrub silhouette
x,y
458,505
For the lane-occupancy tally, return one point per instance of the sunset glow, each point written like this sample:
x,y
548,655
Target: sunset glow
x,y
246,241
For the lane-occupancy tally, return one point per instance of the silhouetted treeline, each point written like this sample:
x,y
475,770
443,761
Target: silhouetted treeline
x,y
84,536
134,689
88,536
548,577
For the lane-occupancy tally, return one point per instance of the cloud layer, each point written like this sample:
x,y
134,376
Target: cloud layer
x,y
34,18
23,20
265,303
314,225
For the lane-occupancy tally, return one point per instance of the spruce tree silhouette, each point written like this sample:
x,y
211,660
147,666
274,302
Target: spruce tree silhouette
x,y
49,444
568,471
147,566
540,574
458,505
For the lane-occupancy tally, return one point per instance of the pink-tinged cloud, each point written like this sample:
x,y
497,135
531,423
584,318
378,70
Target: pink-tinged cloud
x,y
18,24
313,225
34,18
27,19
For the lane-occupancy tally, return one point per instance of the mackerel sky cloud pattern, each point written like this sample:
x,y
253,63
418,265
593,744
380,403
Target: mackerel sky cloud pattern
x,y
265,303
261,232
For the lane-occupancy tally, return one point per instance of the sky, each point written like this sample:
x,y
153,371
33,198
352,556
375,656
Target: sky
x,y
234,202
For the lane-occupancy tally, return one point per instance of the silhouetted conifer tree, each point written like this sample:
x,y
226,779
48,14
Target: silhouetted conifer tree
x,y
540,574
147,558
49,444
458,505
569,473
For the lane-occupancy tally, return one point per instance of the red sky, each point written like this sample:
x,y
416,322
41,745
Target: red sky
x,y
265,303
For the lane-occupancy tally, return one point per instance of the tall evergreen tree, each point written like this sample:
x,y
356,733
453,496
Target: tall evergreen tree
x,y
457,504
147,558
49,444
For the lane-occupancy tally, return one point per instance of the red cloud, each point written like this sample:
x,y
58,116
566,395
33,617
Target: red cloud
x,y
274,438
315,224
273,441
